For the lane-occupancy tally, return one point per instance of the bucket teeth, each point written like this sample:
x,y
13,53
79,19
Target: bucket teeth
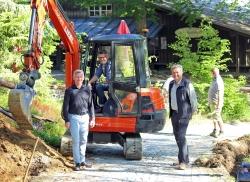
x,y
19,105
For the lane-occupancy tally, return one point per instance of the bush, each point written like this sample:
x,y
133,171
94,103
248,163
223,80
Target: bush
x,y
51,133
212,51
235,102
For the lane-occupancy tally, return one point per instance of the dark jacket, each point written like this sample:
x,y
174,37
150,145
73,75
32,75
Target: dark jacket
x,y
77,101
183,100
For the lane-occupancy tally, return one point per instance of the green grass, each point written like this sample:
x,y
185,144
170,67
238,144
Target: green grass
x,y
4,98
51,133
246,159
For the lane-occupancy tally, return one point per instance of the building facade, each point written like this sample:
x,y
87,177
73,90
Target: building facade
x,y
162,32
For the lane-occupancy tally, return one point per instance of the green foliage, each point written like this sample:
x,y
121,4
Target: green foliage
x,y
188,11
4,98
191,11
14,42
235,102
212,51
51,133
127,8
247,159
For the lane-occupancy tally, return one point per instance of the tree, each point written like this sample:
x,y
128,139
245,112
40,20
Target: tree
x,y
191,11
212,51
138,9
14,33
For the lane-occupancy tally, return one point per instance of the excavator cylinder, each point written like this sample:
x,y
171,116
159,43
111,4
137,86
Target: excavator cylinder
x,y
19,104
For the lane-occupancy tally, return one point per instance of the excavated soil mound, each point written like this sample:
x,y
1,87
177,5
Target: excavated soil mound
x,y
227,153
16,148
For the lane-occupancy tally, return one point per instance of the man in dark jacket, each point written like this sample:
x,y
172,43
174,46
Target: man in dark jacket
x,y
182,104
78,113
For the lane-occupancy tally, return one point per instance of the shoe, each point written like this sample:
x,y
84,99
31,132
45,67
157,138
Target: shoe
x,y
181,166
213,134
84,164
77,167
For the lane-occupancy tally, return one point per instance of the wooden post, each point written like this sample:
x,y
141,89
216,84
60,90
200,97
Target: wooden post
x,y
237,55
27,170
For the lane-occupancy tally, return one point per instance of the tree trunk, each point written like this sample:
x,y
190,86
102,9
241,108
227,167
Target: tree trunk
x,y
141,20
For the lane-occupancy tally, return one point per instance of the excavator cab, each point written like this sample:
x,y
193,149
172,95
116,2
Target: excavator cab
x,y
129,72
133,106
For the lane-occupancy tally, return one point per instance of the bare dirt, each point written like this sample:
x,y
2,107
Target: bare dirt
x,y
227,153
16,148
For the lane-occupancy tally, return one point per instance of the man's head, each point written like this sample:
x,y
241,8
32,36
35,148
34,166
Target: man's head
x,y
103,56
177,72
78,77
215,72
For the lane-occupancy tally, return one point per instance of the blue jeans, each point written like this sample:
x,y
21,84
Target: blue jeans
x,y
100,88
180,128
79,129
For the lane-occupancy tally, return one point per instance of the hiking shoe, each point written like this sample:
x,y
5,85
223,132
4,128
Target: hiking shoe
x,y
77,167
213,134
181,166
84,164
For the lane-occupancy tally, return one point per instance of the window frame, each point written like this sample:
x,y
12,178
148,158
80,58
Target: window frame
x,y
101,12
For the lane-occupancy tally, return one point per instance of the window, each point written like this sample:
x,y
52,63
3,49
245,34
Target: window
x,y
124,65
103,10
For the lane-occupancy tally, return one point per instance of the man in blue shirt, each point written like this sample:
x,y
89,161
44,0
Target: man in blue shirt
x,y
103,69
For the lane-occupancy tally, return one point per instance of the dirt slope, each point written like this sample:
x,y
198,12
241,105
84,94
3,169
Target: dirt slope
x,y
227,153
16,148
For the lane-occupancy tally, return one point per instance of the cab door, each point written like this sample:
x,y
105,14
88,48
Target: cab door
x,y
124,86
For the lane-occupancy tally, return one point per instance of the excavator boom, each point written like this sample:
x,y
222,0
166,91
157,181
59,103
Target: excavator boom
x,y
20,98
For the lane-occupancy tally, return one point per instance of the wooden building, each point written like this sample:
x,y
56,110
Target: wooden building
x,y
100,19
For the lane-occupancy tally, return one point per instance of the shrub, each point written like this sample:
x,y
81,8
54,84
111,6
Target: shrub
x,y
51,133
235,102
212,51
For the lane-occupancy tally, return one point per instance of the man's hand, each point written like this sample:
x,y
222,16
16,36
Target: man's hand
x,y
67,125
92,123
90,86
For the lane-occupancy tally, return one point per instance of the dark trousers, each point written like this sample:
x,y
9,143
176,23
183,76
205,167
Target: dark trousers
x,y
100,88
180,128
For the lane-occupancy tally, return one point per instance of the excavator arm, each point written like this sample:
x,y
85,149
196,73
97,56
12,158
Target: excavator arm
x,y
20,98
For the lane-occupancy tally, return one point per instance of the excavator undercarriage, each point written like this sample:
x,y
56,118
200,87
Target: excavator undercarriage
x,y
131,143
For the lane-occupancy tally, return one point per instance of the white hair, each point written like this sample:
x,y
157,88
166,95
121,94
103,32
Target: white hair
x,y
175,66
216,71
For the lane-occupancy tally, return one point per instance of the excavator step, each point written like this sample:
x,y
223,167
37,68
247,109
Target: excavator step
x,y
19,102
132,147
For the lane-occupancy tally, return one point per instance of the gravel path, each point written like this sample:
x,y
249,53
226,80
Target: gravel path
x,y
159,153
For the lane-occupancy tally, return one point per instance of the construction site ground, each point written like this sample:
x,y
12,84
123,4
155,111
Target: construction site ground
x,y
159,152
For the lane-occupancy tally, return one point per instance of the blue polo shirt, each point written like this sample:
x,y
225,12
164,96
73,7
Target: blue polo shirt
x,y
104,69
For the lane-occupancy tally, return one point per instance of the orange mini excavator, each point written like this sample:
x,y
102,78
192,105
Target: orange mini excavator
x,y
133,106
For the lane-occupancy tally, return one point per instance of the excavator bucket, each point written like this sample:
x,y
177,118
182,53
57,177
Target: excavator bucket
x,y
19,104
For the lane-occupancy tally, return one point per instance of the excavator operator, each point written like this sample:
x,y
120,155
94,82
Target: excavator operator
x,y
103,69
